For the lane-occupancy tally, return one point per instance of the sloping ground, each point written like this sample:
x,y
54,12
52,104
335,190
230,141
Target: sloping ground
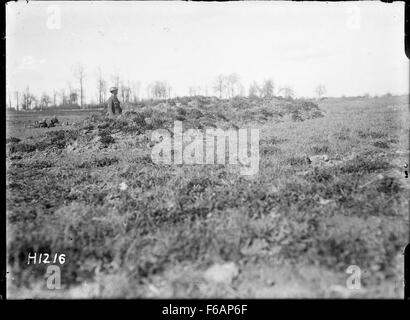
x,y
131,228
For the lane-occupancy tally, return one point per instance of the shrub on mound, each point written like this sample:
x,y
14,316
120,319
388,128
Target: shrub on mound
x,y
21,147
51,140
105,138
159,114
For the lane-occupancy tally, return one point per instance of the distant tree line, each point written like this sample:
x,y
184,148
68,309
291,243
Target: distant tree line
x,y
73,96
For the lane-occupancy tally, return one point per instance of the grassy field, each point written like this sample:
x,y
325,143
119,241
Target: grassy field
x,y
21,124
132,228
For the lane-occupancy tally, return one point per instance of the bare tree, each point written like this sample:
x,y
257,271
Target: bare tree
x,y
44,100
121,89
254,90
17,96
55,98
115,78
33,101
80,76
267,89
9,94
128,93
241,90
149,90
63,97
71,93
287,92
232,85
169,89
159,90
135,90
101,87
73,98
194,90
28,99
220,85
125,93
320,91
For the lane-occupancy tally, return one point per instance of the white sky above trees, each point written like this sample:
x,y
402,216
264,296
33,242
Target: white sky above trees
x,y
351,48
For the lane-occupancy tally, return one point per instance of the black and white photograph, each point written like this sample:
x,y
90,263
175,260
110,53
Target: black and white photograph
x,y
206,150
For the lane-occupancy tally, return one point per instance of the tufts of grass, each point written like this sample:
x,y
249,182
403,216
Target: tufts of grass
x,y
21,147
372,134
59,139
364,165
389,186
103,162
381,144
320,149
297,160
296,116
105,138
173,216
51,140
40,164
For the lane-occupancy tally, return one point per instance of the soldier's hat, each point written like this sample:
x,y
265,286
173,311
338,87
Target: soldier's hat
x,y
112,89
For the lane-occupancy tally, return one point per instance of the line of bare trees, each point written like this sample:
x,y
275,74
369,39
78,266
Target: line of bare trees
x,y
228,86
73,95
159,90
224,86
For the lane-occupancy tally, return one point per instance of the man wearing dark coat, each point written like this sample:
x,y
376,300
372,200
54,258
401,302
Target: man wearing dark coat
x,y
113,104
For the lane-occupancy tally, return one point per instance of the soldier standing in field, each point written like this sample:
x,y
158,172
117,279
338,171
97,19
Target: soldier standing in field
x,y
113,104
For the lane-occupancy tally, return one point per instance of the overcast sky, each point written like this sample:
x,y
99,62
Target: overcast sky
x,y
351,48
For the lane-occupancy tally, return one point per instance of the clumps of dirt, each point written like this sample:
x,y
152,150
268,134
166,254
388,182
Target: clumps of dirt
x,y
143,159
103,162
108,124
88,127
270,146
21,147
369,242
12,140
269,150
39,164
180,117
296,116
298,161
320,149
301,110
237,109
320,175
381,144
342,136
372,134
51,140
273,141
132,122
59,139
181,111
389,185
364,165
111,124
200,112
105,138
15,157
340,249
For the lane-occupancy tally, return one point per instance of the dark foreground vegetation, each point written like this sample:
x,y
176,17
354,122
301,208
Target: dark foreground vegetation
x,y
132,228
